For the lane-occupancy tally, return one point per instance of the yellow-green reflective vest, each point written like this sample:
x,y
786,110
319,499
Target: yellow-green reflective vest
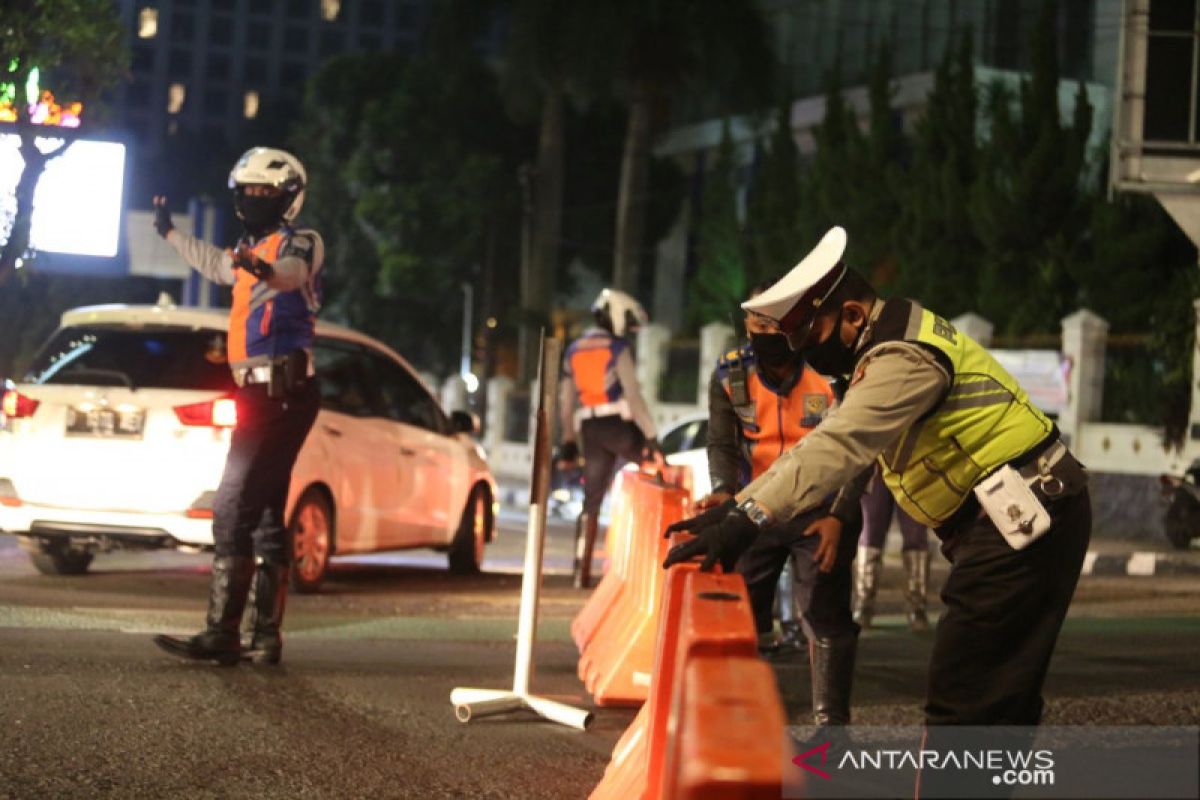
x,y
984,421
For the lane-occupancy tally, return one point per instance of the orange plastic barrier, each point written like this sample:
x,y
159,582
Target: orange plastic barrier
x,y
730,732
706,640
612,585
616,663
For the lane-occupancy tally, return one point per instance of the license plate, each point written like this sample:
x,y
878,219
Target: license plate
x,y
125,422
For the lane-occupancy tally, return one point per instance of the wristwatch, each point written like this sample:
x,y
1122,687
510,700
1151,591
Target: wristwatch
x,y
757,514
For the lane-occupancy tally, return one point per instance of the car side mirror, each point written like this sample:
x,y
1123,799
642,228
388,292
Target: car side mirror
x,y
464,422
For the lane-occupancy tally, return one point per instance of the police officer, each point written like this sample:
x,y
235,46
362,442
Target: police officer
x,y
601,400
879,508
275,271
762,401
943,418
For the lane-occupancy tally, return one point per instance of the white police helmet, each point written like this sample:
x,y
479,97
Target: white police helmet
x,y
619,312
272,167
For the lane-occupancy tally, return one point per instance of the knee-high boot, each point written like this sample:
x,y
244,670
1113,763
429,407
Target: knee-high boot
x,y
832,662
219,641
916,564
268,598
866,582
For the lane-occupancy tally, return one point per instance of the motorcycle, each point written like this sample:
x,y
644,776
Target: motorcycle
x,y
1182,518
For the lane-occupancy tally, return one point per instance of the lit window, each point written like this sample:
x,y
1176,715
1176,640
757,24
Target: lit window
x,y
330,9
175,97
147,23
250,105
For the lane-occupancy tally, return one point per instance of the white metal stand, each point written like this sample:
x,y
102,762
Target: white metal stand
x,y
472,703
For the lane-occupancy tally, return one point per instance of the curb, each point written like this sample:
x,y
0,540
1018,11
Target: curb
x,y
1143,564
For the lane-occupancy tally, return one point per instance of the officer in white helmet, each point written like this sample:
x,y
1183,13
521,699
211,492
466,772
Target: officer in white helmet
x,y
275,271
600,400
961,448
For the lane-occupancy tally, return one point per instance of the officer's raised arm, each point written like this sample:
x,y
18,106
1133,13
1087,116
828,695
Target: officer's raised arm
x,y
210,261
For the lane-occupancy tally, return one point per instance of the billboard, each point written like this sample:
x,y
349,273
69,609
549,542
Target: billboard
x,y
77,203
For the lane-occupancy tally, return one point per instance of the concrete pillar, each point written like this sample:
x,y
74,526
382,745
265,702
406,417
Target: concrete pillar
x,y
652,342
1084,336
716,338
1191,443
975,327
498,390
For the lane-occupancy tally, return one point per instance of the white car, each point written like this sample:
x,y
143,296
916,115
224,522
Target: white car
x,y
684,444
117,436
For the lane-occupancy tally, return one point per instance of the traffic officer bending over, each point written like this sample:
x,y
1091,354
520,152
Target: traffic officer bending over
x,y
276,276
962,450
600,399
762,400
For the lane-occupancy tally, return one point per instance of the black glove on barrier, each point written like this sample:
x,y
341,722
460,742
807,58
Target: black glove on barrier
x,y
162,218
722,534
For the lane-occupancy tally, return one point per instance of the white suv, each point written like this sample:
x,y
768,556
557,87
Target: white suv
x,y
117,435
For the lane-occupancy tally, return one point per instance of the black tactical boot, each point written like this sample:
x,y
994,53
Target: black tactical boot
x,y
832,661
916,564
268,596
585,543
219,642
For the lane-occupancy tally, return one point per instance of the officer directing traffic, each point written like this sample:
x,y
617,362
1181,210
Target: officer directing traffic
x,y
762,400
275,272
962,450
601,401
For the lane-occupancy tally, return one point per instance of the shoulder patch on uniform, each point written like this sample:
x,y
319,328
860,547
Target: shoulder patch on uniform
x,y
299,245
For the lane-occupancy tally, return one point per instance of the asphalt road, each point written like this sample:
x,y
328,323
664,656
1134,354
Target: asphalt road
x,y
360,707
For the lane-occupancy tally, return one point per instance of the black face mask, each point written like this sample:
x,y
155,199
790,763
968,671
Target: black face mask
x,y
259,215
832,356
772,350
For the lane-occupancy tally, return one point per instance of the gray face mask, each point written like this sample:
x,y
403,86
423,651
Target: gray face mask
x,y
833,356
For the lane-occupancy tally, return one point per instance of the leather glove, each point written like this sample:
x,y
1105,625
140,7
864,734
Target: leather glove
x,y
162,217
722,535
244,258
567,451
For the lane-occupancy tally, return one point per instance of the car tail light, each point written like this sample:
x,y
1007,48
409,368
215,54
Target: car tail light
x,y
219,413
202,506
8,494
16,405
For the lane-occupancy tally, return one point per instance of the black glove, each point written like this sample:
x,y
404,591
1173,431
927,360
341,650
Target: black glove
x,y
162,217
722,534
567,451
650,450
244,258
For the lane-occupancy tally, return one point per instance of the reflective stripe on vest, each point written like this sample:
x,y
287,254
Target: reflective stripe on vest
x,y
984,421
592,362
772,423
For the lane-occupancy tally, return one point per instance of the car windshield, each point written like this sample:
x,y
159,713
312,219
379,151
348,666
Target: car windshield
x,y
158,357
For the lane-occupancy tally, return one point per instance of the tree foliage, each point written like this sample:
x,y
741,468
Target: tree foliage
x,y
720,283
78,49
412,168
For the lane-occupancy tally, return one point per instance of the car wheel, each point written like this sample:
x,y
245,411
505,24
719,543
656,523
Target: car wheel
x,y
60,561
312,534
466,551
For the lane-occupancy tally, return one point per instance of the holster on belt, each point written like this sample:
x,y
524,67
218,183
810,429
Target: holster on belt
x,y
287,374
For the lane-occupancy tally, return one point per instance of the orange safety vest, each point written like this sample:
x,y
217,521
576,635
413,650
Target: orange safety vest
x,y
591,362
263,322
770,420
